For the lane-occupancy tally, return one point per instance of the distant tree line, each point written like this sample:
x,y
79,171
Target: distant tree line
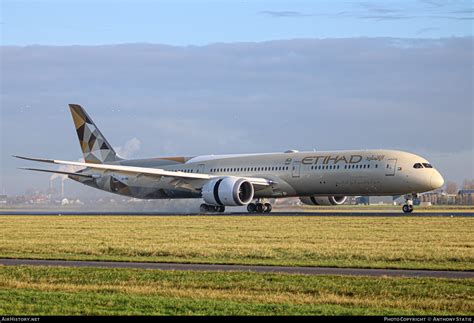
x,y
452,187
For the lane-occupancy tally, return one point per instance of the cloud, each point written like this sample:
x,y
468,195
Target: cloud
x,y
377,12
129,148
427,30
327,94
66,168
466,11
285,14
385,17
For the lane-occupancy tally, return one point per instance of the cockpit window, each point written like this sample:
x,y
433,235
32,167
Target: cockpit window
x,y
417,165
427,165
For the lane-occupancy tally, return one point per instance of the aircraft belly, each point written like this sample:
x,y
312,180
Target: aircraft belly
x,y
144,187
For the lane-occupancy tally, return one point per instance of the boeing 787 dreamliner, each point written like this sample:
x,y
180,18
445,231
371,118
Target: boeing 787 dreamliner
x,y
316,177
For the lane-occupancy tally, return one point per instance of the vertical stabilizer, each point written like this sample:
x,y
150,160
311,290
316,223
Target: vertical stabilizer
x,y
95,147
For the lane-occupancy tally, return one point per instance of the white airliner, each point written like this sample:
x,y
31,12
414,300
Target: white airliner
x,y
316,177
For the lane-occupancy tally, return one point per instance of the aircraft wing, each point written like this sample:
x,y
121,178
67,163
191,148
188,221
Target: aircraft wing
x,y
143,170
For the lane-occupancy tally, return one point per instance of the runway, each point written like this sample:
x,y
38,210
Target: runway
x,y
246,268
320,213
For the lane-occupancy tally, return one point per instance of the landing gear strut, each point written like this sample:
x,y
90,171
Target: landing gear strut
x,y
206,208
408,206
259,207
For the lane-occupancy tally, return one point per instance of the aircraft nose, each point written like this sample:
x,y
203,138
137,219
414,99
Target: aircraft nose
x,y
436,180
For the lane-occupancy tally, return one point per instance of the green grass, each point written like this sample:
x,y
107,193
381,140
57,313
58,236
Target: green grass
x,y
372,242
28,290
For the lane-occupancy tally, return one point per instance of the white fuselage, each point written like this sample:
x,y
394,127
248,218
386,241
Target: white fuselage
x,y
337,173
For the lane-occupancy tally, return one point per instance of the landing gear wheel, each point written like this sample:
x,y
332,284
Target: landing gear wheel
x,y
260,208
407,208
268,208
252,208
204,208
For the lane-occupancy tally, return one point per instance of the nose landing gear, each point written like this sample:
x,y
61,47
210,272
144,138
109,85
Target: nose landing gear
x,y
408,206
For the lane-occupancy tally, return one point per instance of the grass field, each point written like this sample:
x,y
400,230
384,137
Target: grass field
x,y
78,291
372,242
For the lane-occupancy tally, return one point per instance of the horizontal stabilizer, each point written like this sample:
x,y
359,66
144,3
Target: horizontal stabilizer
x,y
57,172
35,159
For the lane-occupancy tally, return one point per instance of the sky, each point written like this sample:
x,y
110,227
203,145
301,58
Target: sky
x,y
194,77
195,22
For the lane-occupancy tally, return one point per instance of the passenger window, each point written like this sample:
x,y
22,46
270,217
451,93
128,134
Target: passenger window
x,y
417,165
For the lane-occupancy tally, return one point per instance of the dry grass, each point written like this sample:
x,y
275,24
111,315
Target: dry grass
x,y
33,290
378,242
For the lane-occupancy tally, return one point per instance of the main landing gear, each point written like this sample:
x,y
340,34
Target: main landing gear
x,y
206,208
259,207
408,206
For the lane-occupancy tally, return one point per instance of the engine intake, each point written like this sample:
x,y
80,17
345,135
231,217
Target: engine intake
x,y
228,191
323,200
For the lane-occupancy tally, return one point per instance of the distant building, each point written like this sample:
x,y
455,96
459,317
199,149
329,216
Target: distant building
x,y
380,200
465,197
3,199
374,200
431,198
440,198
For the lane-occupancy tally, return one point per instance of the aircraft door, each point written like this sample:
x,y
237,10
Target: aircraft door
x,y
296,169
200,168
390,168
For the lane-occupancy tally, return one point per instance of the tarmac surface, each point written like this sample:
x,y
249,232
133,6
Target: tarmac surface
x,y
278,213
246,268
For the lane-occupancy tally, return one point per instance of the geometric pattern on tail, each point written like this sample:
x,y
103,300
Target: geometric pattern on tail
x,y
95,147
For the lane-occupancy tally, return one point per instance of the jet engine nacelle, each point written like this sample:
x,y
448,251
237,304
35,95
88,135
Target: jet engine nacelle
x,y
228,191
323,200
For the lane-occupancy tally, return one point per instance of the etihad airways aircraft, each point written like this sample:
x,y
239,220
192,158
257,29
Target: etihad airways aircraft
x,y
316,177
